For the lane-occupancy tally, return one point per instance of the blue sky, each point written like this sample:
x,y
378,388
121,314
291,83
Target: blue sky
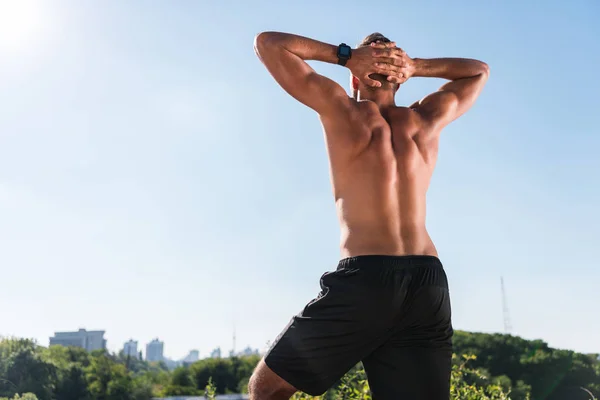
x,y
156,182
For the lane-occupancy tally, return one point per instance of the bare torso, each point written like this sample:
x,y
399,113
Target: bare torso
x,y
381,156
380,179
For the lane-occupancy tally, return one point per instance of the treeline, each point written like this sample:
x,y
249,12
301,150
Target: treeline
x,y
531,366
229,375
498,367
71,373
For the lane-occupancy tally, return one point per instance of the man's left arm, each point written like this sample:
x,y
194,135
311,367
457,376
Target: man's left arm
x,y
467,78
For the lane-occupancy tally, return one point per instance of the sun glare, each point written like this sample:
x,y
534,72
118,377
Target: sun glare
x,y
20,22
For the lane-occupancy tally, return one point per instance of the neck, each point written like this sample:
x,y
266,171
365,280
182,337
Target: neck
x,y
383,98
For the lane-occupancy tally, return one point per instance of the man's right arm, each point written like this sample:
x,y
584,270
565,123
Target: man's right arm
x,y
284,55
467,79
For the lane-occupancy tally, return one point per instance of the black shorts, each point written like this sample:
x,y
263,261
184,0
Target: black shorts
x,y
390,312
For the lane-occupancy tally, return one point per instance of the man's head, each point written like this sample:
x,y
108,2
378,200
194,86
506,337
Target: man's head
x,y
355,83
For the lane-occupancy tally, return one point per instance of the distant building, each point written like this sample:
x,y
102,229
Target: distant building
x,y
171,364
192,357
216,353
154,351
88,340
248,351
131,349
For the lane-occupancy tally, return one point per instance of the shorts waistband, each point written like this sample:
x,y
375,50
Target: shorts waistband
x,y
396,262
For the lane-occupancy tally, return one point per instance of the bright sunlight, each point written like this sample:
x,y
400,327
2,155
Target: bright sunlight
x,y
20,20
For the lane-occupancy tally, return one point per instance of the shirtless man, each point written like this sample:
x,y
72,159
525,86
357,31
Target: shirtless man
x,y
387,304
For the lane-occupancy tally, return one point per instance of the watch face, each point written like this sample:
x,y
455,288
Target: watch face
x,y
344,51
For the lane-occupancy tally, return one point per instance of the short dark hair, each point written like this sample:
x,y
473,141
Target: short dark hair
x,y
372,38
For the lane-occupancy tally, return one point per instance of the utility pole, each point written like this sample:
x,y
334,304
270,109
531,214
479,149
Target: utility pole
x,y
234,339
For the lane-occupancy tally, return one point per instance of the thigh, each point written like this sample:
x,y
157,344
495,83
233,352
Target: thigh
x,y
331,335
416,361
409,373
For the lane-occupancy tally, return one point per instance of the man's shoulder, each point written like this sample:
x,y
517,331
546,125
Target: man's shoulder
x,y
403,115
368,111
406,121
343,110
402,110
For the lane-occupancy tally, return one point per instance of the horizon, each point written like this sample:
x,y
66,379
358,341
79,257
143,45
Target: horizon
x,y
155,181
226,353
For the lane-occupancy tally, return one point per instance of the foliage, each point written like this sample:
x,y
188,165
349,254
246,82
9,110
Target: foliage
x,y
462,388
70,373
210,392
182,384
354,386
26,396
499,367
532,366
23,370
226,373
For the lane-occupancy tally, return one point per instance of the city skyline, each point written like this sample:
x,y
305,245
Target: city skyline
x,y
156,182
133,345
80,337
88,340
130,348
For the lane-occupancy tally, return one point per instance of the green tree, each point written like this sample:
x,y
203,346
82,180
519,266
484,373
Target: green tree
x,y
107,379
182,376
69,362
137,365
142,388
221,370
182,384
532,366
242,368
72,384
243,385
502,365
23,370
120,386
229,375
156,380
98,375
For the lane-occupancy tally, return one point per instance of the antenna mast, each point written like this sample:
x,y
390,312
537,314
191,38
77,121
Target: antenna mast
x,y
234,339
505,312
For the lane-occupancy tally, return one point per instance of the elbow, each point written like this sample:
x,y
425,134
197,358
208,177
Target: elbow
x,y
264,40
259,41
485,69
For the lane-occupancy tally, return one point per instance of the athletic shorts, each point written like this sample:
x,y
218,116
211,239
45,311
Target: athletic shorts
x,y
390,312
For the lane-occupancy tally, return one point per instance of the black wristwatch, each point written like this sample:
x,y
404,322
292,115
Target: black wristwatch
x,y
344,53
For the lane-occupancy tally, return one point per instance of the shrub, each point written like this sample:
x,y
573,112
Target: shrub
x,y
466,384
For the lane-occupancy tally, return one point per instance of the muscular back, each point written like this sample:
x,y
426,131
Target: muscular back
x,y
380,177
381,156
